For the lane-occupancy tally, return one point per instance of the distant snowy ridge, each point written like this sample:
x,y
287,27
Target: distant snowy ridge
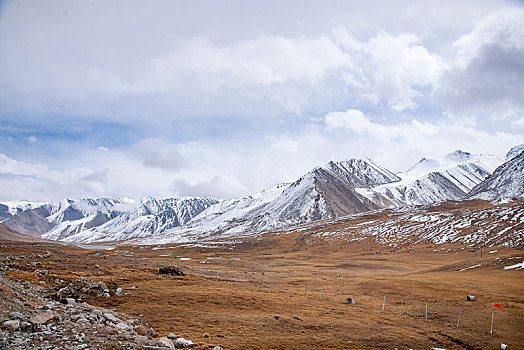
x,y
66,215
515,151
334,190
11,208
506,182
152,216
435,180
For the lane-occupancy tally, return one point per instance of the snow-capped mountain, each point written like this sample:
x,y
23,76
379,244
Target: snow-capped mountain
x,y
334,190
151,217
324,192
10,208
506,182
435,180
515,151
67,215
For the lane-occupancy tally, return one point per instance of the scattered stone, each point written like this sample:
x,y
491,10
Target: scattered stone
x,y
150,332
27,327
124,326
119,292
79,289
171,336
42,317
218,348
140,330
184,343
17,315
166,342
503,346
111,317
471,298
169,271
350,301
12,325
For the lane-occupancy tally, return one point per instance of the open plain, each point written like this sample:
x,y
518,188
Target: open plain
x,y
279,292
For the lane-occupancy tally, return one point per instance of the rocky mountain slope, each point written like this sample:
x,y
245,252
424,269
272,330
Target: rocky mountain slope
x,y
435,180
7,234
11,208
334,190
67,214
152,216
506,182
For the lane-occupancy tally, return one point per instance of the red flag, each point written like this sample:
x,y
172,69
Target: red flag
x,y
262,273
497,305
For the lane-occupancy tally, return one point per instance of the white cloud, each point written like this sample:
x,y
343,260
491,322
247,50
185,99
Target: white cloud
x,y
32,139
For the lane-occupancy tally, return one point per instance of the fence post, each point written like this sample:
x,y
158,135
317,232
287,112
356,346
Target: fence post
x,y
401,302
384,303
458,322
339,295
320,293
426,311
492,315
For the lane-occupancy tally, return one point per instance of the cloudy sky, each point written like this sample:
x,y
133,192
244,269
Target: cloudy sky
x,y
224,98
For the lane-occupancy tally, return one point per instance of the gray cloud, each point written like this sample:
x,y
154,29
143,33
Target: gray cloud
x,y
158,154
487,79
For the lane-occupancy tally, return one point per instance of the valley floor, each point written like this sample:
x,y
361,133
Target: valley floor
x,y
276,293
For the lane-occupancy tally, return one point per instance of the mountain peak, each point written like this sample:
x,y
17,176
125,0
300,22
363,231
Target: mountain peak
x,y
515,151
458,156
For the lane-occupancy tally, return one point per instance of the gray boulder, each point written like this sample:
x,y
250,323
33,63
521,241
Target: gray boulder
x,y
12,325
166,343
184,343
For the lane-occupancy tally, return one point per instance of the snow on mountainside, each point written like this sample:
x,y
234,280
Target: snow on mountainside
x,y
507,182
324,192
515,151
151,217
434,180
10,208
474,224
334,190
66,214
224,214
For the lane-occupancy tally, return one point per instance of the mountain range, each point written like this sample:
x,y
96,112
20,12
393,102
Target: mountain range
x,y
334,190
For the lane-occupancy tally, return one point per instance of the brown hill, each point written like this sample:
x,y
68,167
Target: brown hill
x,y
7,234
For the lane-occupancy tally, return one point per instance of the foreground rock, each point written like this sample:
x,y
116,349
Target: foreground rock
x,y
30,321
82,289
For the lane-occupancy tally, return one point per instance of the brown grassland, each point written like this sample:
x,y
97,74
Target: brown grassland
x,y
228,302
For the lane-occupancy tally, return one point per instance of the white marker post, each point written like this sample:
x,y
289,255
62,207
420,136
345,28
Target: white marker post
x,y
458,322
426,311
401,302
384,303
492,316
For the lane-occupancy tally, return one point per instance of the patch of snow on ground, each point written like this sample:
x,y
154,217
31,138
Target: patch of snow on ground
x,y
471,267
518,266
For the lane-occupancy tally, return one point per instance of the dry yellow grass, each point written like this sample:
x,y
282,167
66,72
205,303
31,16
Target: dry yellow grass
x,y
225,302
